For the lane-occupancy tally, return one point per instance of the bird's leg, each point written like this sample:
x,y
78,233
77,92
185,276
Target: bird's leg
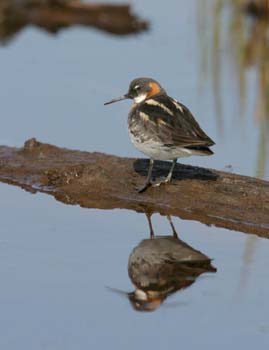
x,y
169,176
148,182
150,225
172,226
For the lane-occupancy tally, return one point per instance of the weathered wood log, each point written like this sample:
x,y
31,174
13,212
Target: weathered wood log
x,y
96,180
55,15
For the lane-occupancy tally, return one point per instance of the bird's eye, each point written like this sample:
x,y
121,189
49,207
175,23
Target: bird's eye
x,y
137,87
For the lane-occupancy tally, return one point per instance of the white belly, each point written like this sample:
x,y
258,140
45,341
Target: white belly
x,y
157,151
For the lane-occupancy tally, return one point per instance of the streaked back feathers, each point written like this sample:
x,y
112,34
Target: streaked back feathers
x,y
170,122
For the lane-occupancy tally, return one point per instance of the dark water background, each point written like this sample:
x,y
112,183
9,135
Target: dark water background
x,y
57,261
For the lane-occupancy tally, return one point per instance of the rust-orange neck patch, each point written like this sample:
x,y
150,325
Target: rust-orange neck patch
x,y
154,89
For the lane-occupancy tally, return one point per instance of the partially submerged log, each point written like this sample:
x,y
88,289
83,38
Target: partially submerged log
x,y
55,15
96,180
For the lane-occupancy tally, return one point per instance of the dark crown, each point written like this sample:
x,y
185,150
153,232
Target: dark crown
x,y
140,86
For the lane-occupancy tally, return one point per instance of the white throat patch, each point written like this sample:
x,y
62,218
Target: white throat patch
x,y
140,98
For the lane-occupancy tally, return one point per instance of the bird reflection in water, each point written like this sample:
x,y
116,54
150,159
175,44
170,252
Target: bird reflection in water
x,y
162,265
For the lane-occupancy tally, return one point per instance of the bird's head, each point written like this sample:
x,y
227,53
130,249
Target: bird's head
x,y
140,89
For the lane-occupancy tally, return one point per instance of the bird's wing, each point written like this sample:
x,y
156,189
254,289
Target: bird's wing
x,y
166,119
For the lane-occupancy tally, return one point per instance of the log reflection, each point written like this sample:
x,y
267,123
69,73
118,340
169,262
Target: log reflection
x,y
55,15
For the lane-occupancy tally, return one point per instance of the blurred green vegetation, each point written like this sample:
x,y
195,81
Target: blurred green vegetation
x,y
240,27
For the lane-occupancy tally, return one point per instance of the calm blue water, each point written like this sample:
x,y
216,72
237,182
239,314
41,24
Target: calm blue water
x,y
56,261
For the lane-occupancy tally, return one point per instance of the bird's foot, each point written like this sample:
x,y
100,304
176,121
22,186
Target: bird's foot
x,y
154,184
158,183
144,187
161,181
